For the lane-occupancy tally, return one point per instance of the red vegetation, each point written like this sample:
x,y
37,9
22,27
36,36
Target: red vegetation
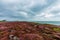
x,y
28,31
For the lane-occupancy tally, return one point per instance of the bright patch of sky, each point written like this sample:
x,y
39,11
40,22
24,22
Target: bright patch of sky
x,y
30,10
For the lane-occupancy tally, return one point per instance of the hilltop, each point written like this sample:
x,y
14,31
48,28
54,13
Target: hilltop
x,y
28,31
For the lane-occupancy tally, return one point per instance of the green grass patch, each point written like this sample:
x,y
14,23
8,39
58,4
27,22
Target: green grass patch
x,y
56,29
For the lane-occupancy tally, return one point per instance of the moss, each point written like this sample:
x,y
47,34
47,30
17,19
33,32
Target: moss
x,y
56,29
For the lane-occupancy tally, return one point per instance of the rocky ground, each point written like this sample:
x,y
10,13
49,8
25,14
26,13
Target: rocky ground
x,y
28,31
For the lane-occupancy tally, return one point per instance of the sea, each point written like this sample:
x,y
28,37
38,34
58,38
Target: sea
x,y
49,22
46,22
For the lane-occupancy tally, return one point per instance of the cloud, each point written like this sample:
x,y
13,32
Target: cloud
x,y
24,14
9,1
50,13
29,9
